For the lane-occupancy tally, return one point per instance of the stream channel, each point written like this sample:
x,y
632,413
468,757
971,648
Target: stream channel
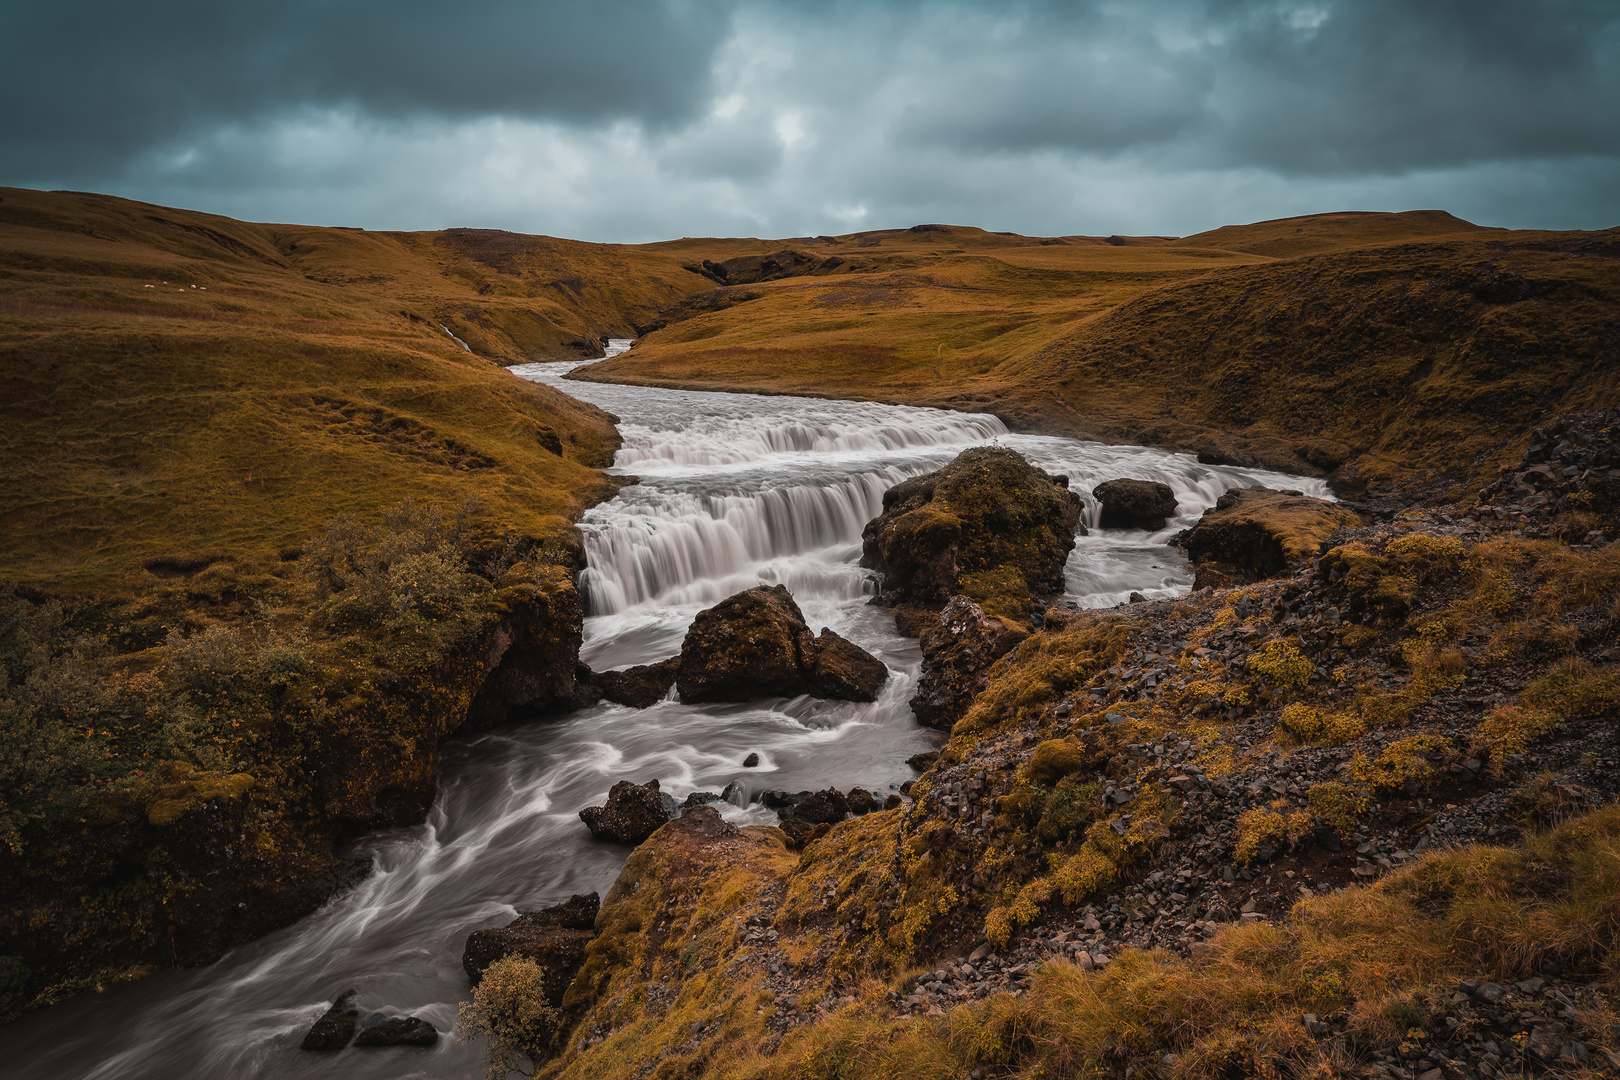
x,y
735,490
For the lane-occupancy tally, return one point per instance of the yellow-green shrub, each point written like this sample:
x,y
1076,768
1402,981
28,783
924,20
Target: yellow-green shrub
x,y
1281,664
1275,826
1319,728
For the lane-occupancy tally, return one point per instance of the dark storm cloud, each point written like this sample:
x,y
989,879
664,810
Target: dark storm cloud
x,y
89,83
1353,85
641,119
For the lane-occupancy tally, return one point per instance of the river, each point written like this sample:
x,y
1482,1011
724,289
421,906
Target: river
x,y
734,490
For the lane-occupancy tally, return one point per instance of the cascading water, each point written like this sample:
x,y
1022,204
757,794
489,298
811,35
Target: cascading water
x,y
734,490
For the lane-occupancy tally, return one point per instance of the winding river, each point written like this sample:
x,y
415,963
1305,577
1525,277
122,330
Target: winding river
x,y
734,490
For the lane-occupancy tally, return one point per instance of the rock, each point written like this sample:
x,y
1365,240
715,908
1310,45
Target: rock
x,y
828,806
957,656
732,794
989,515
1226,454
555,938
893,802
633,812
756,644
1134,504
1256,533
641,686
398,1031
924,761
777,800
335,1027
844,671
800,832
861,801
700,798
750,761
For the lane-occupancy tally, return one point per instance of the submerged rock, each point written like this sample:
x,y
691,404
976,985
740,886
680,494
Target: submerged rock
x,y
640,686
1255,533
633,812
1135,504
335,1027
989,522
398,1031
555,938
957,655
756,644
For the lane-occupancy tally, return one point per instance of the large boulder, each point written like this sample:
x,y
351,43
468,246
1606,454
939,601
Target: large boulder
x,y
1255,533
957,655
756,644
1134,504
554,938
633,813
989,524
336,1025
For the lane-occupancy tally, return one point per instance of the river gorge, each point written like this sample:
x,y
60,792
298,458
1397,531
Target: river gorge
x,y
732,491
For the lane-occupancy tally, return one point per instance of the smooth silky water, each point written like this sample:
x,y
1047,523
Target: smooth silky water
x,y
735,490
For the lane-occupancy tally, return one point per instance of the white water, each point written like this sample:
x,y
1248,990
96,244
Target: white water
x,y
735,490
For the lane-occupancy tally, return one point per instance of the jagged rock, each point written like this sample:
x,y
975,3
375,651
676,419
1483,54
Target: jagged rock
x,y
924,761
861,801
335,1027
700,798
732,794
1135,504
989,515
398,1031
554,937
756,644
1256,533
827,806
633,812
957,655
640,686
777,800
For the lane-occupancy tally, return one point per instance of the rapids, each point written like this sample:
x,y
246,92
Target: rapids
x,y
734,490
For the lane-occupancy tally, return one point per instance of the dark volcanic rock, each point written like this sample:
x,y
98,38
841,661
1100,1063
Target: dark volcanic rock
x,y
335,1027
756,644
828,806
957,655
640,686
1255,533
1135,504
989,513
923,761
750,761
861,801
633,813
555,938
844,670
398,1031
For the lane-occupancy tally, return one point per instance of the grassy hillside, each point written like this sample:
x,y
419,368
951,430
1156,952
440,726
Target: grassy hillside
x,y
1390,350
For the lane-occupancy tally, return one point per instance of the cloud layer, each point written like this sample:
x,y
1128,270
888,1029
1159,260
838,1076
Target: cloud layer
x,y
644,119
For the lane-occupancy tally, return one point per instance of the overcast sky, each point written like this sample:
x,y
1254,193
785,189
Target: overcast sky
x,y
634,120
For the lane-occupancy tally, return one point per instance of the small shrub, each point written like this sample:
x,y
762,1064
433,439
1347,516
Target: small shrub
x,y
1575,690
1510,729
1053,760
1281,664
1273,827
1338,805
1072,806
1402,765
509,1008
1311,725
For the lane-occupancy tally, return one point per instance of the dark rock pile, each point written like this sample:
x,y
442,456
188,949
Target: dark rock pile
x,y
959,651
1572,470
756,644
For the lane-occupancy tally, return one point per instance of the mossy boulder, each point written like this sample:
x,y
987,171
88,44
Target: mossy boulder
x,y
756,644
1134,504
957,656
1255,533
555,938
988,513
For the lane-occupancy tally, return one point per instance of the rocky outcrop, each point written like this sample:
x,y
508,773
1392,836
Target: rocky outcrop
x,y
1567,483
989,524
1256,533
335,1027
397,1031
555,938
633,812
640,686
756,644
957,656
1134,504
